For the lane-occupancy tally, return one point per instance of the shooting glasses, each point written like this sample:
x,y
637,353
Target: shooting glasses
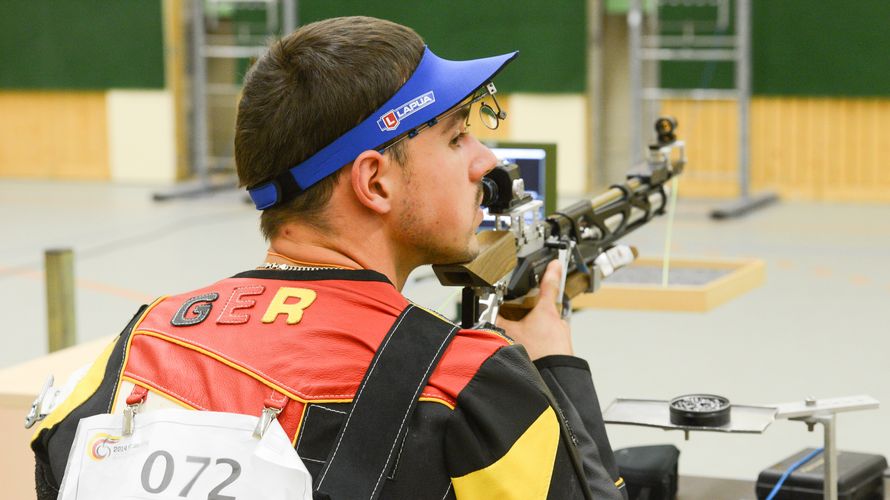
x,y
489,116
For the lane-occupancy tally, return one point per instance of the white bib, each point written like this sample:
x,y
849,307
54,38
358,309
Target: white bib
x,y
178,454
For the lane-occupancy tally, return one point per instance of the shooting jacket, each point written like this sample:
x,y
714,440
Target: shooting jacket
x,y
489,424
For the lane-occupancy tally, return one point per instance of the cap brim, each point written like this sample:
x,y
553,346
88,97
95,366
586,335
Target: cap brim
x,y
435,86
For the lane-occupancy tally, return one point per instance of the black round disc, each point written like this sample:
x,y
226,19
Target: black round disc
x,y
700,410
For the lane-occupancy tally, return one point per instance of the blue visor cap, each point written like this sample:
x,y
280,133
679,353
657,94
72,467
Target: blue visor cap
x,y
436,86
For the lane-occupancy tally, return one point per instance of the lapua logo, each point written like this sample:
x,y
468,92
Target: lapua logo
x,y
392,118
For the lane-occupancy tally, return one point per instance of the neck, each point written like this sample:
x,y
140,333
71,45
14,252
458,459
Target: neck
x,y
304,246
273,257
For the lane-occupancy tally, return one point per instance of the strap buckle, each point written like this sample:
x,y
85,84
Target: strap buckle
x,y
273,406
266,418
43,404
134,403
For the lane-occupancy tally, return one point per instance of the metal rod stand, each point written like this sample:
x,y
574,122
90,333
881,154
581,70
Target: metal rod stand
x,y
199,187
829,481
746,203
280,15
469,311
829,451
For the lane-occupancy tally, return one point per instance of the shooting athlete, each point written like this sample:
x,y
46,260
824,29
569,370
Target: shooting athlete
x,y
352,138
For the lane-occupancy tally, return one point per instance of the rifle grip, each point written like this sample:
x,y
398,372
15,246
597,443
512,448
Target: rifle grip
x,y
516,309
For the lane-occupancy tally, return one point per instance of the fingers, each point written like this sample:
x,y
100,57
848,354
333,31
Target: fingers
x,y
542,332
550,281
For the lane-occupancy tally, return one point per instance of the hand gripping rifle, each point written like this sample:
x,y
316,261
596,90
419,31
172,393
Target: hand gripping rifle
x,y
504,277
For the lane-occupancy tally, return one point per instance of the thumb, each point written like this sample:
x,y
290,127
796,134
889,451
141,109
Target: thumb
x,y
550,283
505,323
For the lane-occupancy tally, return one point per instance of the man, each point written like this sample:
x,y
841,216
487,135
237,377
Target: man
x,y
352,138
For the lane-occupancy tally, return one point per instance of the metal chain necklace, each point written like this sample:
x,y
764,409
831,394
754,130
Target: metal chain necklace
x,y
289,267
298,265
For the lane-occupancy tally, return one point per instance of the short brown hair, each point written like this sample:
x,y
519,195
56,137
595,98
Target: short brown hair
x,y
310,88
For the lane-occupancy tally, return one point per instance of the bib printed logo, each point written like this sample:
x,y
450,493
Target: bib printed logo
x,y
100,446
105,445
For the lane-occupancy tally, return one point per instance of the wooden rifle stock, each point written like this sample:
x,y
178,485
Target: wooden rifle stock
x,y
497,257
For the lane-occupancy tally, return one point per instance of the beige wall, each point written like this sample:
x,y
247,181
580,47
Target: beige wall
x,y
141,139
549,118
560,119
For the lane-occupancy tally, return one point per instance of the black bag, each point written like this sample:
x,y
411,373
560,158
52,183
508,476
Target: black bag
x,y
650,472
860,477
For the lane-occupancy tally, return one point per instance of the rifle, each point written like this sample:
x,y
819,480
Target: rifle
x,y
504,277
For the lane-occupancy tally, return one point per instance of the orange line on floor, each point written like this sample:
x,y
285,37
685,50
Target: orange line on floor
x,y
785,264
96,286
860,279
87,284
822,271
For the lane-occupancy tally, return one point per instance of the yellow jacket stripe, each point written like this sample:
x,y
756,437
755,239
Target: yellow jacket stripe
x,y
523,472
85,388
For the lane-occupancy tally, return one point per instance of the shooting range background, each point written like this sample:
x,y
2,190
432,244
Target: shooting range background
x,y
89,94
818,81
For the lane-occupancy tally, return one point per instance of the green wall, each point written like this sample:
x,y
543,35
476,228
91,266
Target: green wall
x,y
804,47
81,44
799,47
550,35
822,47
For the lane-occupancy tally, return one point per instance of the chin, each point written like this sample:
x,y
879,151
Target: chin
x,y
470,252
472,249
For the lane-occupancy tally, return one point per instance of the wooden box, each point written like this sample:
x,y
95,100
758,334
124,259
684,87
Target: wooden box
x,y
695,285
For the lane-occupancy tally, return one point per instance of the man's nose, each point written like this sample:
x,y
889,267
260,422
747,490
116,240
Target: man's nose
x,y
483,161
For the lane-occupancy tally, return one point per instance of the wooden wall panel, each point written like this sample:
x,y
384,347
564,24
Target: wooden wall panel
x,y
54,135
827,149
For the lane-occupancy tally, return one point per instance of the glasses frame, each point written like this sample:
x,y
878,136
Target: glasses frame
x,y
480,94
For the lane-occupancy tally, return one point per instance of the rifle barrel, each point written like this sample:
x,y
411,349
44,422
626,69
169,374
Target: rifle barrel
x,y
614,194
608,202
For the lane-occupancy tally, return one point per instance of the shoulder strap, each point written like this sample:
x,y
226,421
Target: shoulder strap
x,y
386,398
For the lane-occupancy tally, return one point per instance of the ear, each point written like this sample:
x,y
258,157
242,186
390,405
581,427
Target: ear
x,y
373,180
